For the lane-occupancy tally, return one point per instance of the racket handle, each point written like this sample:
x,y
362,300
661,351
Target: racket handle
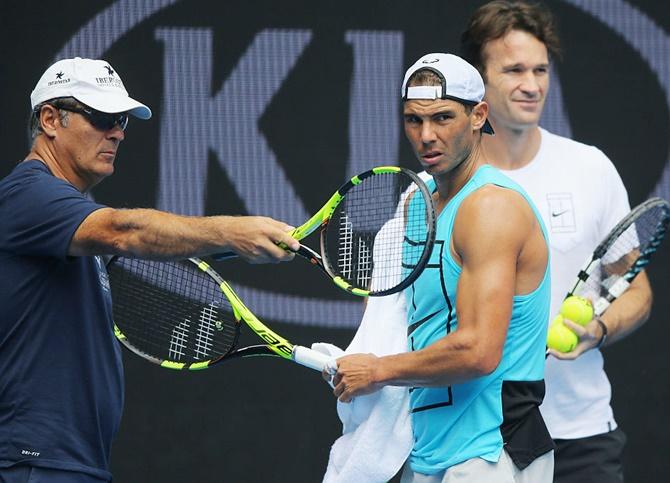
x,y
220,257
305,252
314,359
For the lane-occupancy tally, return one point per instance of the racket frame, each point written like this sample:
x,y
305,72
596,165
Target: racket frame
x,y
321,218
324,260
622,282
275,344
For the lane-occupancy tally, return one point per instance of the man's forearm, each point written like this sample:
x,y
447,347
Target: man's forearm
x,y
154,234
630,311
456,358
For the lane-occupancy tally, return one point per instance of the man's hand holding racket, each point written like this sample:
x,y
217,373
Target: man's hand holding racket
x,y
258,239
614,275
355,376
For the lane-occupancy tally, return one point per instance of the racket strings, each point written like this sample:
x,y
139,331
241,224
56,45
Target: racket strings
x,y
373,240
626,255
171,310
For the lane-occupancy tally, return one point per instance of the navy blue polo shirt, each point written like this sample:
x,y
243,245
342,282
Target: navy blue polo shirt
x,y
61,375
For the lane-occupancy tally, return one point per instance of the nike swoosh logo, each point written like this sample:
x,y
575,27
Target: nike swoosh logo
x,y
554,214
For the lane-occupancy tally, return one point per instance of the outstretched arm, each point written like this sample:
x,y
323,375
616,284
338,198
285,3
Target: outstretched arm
x,y
157,234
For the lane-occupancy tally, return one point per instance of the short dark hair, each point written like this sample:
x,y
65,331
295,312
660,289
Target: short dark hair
x,y
495,19
424,77
428,77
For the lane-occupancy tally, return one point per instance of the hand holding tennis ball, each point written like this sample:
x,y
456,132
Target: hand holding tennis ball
x,y
577,309
560,337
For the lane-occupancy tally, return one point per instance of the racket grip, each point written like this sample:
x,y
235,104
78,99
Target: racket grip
x,y
220,257
314,359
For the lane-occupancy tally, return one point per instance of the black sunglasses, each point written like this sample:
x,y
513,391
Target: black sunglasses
x,y
99,120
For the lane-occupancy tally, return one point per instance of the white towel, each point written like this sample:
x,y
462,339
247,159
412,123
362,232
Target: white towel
x,y
377,434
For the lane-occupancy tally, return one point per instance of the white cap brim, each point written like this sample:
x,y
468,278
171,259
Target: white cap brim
x,y
113,104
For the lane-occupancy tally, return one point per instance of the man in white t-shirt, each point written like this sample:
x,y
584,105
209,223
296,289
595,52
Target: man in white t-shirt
x,y
581,197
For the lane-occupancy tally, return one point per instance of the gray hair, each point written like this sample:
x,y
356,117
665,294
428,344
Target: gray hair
x,y
34,124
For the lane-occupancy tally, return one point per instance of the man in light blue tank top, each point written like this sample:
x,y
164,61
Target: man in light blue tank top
x,y
477,314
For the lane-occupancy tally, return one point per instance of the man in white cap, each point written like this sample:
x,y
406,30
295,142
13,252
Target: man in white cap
x,y
61,378
477,314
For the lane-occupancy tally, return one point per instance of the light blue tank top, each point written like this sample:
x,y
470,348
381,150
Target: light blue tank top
x,y
459,422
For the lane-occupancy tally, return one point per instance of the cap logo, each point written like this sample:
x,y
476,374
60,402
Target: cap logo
x,y
110,80
430,61
59,79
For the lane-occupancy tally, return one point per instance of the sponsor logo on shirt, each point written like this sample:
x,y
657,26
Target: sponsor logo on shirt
x,y
102,273
28,452
562,211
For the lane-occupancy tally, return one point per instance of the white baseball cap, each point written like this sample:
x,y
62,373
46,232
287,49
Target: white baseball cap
x,y
459,81
92,82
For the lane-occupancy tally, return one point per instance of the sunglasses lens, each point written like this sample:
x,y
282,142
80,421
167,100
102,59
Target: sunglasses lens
x,y
122,121
106,121
99,120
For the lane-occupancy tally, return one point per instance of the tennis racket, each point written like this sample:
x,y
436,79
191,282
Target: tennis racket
x,y
183,315
371,244
623,254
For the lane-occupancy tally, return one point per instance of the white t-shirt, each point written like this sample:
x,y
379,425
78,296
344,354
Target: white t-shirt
x,y
581,197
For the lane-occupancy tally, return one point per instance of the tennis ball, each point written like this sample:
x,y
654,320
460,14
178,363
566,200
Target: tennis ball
x,y
577,309
560,337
